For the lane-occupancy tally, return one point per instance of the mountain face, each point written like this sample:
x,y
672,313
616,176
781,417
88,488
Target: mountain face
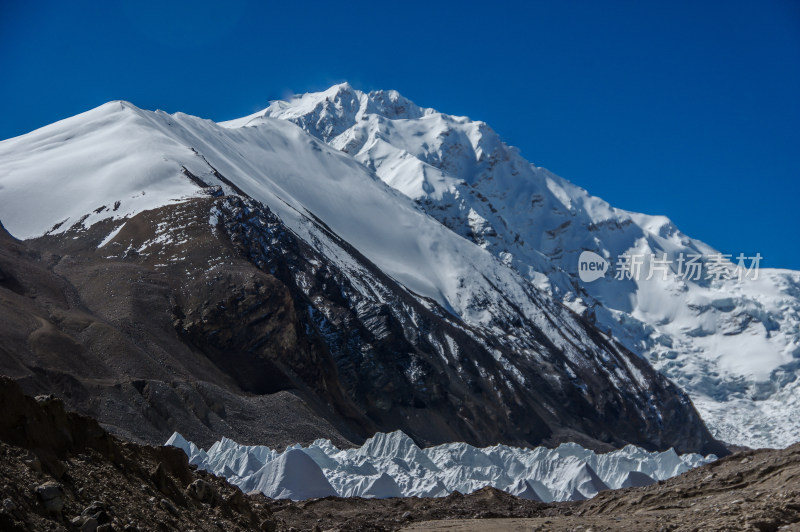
x,y
733,345
101,335
226,280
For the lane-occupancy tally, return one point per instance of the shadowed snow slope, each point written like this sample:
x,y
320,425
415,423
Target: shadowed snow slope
x,y
391,465
734,345
293,475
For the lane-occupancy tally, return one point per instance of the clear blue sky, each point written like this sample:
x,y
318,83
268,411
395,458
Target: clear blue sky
x,y
685,108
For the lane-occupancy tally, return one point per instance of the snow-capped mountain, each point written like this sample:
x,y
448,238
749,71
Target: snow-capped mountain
x,y
392,465
733,344
274,261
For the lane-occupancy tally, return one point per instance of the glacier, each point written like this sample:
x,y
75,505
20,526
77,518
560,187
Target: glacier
x,y
392,465
733,345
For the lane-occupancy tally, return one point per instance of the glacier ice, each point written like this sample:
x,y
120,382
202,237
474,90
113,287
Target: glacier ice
x,y
292,475
392,465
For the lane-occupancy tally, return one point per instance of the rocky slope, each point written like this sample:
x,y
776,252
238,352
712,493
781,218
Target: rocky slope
x,y
733,344
101,335
261,269
62,471
753,491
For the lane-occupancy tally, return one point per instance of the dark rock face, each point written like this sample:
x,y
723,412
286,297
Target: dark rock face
x,y
93,480
99,333
210,317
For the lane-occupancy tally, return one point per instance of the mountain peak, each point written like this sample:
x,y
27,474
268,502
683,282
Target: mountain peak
x,y
461,172
326,114
339,88
393,105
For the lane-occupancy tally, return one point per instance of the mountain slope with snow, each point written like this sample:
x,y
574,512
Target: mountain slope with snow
x,y
733,344
416,326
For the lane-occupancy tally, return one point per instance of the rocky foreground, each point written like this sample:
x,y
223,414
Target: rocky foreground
x,y
62,471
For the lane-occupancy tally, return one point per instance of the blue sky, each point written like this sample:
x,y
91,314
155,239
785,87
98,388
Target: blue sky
x,y
688,109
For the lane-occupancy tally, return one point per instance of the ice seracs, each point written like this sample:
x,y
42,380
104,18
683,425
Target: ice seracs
x,y
292,475
523,489
636,479
392,465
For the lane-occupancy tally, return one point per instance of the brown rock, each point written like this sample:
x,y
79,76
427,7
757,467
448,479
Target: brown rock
x,y
202,491
51,494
